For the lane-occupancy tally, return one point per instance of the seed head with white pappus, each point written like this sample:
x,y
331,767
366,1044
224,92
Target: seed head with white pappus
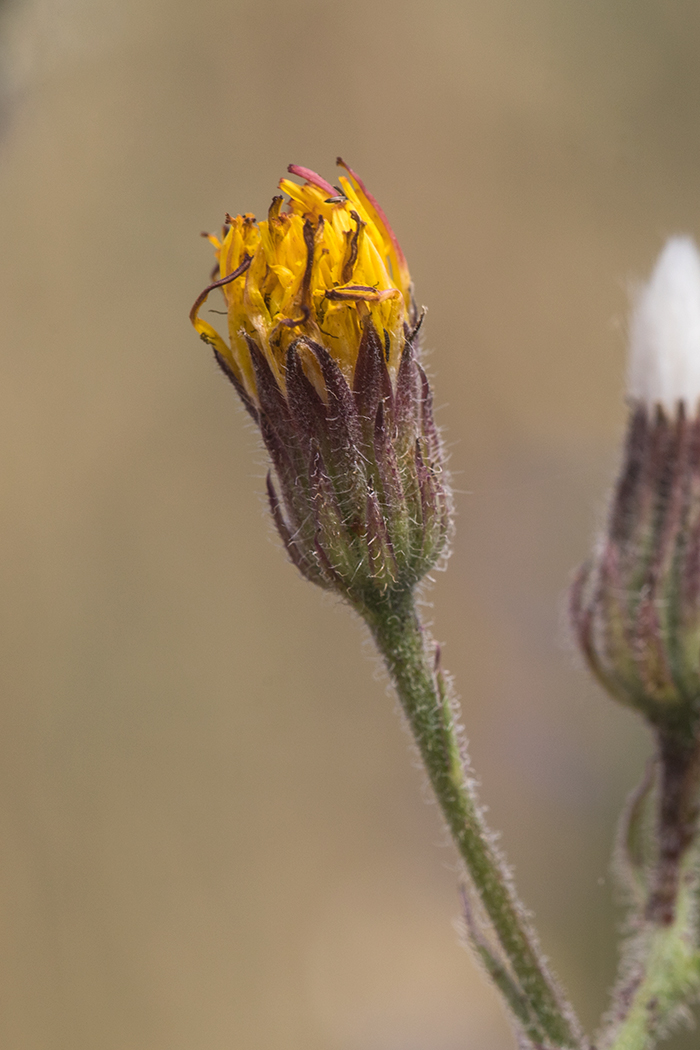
x,y
323,351
636,603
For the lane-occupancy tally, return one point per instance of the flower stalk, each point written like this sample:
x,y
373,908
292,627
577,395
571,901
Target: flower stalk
x,y
660,973
531,993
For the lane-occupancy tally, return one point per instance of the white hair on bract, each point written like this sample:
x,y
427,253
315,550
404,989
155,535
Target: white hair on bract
x,y
664,358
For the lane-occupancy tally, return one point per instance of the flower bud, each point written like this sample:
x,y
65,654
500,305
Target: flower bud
x,y
636,603
323,351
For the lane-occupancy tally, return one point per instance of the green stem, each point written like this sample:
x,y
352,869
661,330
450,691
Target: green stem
x,y
664,980
411,663
661,965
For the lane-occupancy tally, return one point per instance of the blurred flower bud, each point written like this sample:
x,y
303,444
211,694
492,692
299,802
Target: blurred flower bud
x,y
323,352
636,603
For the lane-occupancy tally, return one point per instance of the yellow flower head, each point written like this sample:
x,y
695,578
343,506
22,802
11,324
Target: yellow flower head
x,y
323,269
323,350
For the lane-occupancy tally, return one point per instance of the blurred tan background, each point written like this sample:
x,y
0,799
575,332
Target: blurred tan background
x,y
212,832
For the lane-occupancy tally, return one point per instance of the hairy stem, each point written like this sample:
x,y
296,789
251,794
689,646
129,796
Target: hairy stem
x,y
664,978
661,965
410,659
679,760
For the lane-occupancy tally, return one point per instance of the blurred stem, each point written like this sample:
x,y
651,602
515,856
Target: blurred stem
x,y
661,965
665,979
410,658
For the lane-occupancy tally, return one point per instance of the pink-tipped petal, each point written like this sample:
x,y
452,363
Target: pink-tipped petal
x,y
313,178
377,207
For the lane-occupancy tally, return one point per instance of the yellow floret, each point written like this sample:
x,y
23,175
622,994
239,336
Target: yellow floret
x,y
321,269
